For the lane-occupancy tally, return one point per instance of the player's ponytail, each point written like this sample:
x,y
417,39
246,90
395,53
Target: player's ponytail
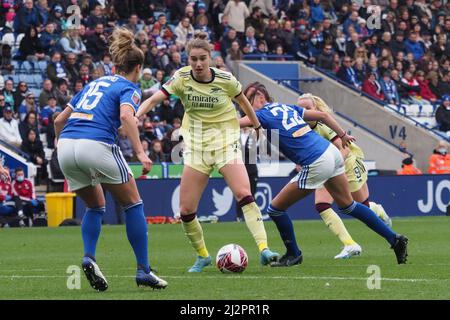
x,y
124,52
199,42
256,87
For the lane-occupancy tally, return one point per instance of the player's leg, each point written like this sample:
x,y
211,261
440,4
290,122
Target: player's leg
x,y
362,196
128,196
339,189
79,179
192,185
289,195
90,230
323,201
236,177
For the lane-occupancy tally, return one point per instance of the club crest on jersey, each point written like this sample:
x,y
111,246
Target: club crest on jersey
x,y
136,98
215,89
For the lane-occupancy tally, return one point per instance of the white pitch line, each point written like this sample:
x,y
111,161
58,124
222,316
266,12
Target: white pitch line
x,y
12,277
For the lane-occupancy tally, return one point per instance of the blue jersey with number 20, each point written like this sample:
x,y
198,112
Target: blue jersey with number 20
x,y
96,109
296,141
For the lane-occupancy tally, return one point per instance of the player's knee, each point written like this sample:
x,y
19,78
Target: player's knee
x,y
187,217
322,206
245,199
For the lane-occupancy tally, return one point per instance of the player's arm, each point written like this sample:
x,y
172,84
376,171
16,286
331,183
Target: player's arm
x,y
338,143
245,122
326,118
151,102
131,129
61,120
245,105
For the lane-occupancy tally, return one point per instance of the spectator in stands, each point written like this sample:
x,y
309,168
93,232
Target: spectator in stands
x,y
372,87
125,145
288,38
48,111
389,89
72,67
156,154
398,45
439,161
146,81
325,58
444,83
84,74
414,46
133,23
19,94
24,190
148,132
49,39
249,43
62,93
304,47
265,6
72,42
174,64
352,20
226,42
96,17
29,123
6,59
57,18
443,114
34,148
425,91
233,54
27,105
105,66
30,48
237,11
27,16
347,74
97,43
47,90
353,44
2,104
201,25
8,92
184,32
9,128
272,34
255,20
412,88
56,69
408,167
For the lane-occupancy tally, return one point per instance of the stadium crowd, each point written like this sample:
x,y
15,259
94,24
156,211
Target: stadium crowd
x,y
405,60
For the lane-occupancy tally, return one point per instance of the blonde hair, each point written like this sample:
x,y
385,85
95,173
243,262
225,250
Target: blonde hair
x,y
124,52
318,102
199,42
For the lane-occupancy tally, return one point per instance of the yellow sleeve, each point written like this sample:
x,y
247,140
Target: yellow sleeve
x,y
173,85
233,87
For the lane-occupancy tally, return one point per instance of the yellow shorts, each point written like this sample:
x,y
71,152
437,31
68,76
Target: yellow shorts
x,y
205,161
356,173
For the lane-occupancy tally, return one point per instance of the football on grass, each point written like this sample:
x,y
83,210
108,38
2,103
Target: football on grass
x,y
231,258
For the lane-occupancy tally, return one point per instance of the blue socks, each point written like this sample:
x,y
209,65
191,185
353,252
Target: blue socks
x,y
137,234
363,213
286,229
90,230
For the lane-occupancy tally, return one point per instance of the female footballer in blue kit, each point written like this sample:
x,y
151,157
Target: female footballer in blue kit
x,y
321,165
90,159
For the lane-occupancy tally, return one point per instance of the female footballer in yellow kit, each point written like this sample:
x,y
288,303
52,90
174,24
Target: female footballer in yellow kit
x,y
356,175
211,135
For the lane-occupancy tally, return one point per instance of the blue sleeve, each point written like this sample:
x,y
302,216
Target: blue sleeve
x,y
131,96
262,118
300,110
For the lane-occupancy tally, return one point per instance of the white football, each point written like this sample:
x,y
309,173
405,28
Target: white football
x,y
232,258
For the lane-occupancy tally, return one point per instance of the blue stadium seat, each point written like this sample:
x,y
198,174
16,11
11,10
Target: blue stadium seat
x,y
42,66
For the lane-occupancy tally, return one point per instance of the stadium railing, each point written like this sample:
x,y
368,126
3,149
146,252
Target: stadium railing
x,y
383,104
260,56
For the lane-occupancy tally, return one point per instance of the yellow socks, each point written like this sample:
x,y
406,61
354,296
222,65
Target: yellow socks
x,y
194,232
255,224
336,226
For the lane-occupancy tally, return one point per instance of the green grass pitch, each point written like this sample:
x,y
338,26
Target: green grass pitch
x,y
34,262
